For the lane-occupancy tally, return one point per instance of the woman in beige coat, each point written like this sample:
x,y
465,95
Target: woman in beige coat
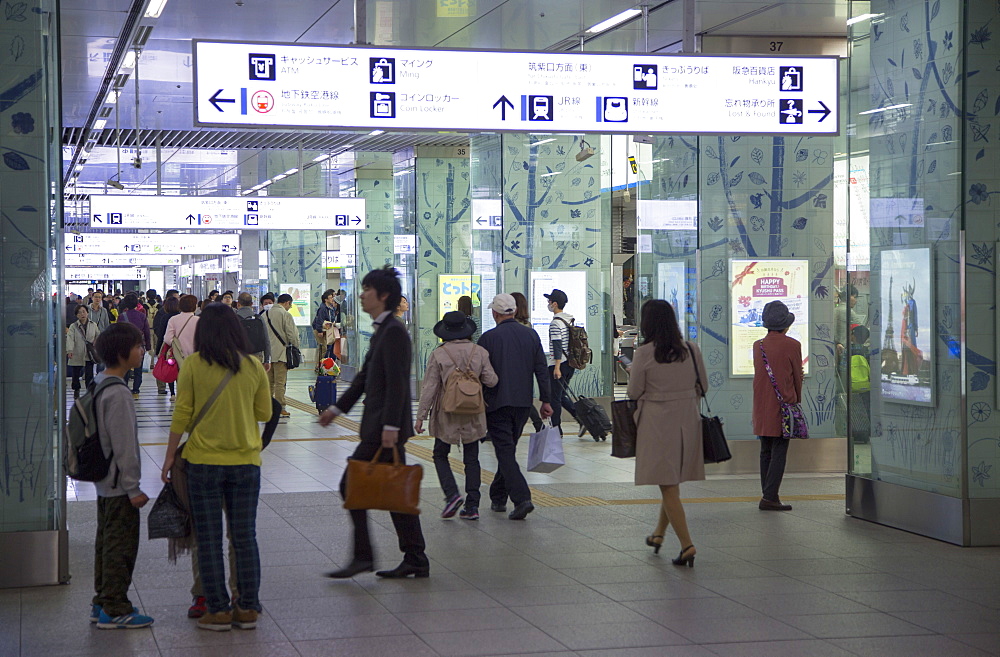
x,y
668,447
457,353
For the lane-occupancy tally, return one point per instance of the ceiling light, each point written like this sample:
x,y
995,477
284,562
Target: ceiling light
x,y
112,97
886,109
376,133
614,20
290,172
280,176
129,62
320,158
863,17
554,173
155,8
544,141
100,123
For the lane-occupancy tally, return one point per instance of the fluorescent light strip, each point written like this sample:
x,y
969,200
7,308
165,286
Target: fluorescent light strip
x,y
554,173
614,20
155,8
863,17
544,141
886,109
290,172
376,133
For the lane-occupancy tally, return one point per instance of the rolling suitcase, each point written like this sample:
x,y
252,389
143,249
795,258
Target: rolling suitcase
x,y
590,415
324,393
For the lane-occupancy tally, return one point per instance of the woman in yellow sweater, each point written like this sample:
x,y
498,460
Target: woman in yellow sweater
x,y
223,454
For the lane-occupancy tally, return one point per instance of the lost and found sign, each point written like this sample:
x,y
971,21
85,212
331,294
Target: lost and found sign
x,y
272,85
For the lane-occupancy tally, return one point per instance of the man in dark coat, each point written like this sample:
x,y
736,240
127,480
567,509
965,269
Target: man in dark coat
x,y
515,354
386,423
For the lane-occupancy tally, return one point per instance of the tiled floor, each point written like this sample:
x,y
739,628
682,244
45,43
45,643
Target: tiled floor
x,y
571,580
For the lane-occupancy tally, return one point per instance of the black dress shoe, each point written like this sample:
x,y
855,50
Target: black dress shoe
x,y
352,569
522,510
768,505
405,570
498,508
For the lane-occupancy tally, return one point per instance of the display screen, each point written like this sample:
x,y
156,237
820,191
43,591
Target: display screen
x,y
752,285
907,354
672,288
573,283
269,84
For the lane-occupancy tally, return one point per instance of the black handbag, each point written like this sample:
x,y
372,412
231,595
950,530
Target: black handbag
x,y
712,437
293,357
623,431
168,519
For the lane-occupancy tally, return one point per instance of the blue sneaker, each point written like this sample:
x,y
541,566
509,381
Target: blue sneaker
x,y
95,613
130,621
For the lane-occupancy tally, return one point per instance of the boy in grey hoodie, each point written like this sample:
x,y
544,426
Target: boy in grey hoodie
x,y
119,497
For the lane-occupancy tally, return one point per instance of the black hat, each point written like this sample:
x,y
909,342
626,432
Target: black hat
x,y
558,296
455,326
776,316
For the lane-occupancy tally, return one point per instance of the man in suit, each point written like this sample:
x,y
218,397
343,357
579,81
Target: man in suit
x,y
281,328
516,354
386,423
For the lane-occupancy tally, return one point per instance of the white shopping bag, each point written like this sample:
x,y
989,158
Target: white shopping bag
x,y
545,450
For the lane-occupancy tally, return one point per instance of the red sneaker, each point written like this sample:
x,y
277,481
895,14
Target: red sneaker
x,y
198,608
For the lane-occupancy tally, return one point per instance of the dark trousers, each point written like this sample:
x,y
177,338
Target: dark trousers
x,y
115,551
773,451
86,371
136,376
470,457
411,537
237,489
559,391
503,428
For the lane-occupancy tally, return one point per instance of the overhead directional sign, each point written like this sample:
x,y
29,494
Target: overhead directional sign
x,y
101,260
366,87
106,273
227,212
487,214
152,243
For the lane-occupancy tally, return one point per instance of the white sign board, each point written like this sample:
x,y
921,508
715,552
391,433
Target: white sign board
x,y
275,85
138,243
667,215
106,273
487,214
404,244
226,212
101,260
213,266
573,283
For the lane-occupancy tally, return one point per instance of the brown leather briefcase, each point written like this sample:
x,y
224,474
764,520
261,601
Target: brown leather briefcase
x,y
384,486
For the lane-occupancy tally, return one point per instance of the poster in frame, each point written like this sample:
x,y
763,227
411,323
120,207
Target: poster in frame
x,y
752,285
906,346
671,280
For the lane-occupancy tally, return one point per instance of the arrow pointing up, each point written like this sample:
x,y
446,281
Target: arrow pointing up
x,y
215,100
504,103
825,111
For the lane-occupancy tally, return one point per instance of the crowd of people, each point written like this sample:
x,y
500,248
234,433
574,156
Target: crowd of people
x,y
227,384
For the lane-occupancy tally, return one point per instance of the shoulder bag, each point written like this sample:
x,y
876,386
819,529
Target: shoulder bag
x,y
178,351
91,350
623,428
793,420
293,357
713,439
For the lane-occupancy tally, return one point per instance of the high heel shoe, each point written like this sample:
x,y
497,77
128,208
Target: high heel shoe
x,y
653,544
681,560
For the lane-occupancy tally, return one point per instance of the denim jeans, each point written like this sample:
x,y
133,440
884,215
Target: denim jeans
x,y
136,375
238,488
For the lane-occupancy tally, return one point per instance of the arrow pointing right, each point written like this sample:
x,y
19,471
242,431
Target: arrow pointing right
x,y
825,111
504,103
215,100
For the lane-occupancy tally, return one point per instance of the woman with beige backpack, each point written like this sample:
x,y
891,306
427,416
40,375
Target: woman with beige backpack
x,y
452,395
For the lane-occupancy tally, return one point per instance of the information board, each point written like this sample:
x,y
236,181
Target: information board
x,y
226,212
151,243
371,87
102,260
574,284
452,287
754,284
105,273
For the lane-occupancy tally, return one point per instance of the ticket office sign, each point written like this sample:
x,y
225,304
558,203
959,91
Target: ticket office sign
x,y
755,283
226,212
370,87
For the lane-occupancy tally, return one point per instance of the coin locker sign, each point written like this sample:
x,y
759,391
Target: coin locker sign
x,y
275,85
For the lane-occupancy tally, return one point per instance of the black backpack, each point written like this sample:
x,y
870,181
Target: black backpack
x,y
84,458
256,333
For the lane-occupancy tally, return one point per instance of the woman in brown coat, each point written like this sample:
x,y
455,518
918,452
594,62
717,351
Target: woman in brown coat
x,y
668,447
784,355
457,353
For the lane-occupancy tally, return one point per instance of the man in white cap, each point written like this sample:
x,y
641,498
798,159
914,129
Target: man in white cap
x,y
516,354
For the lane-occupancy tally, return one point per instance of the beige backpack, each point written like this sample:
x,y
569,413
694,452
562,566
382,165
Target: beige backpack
x,y
463,391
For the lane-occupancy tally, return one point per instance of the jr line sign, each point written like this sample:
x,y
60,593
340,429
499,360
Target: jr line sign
x,y
275,85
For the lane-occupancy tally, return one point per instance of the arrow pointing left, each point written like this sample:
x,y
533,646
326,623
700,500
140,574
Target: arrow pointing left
x,y
215,100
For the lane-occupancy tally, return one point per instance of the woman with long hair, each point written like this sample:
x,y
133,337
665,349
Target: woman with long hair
x,y
224,393
664,380
169,309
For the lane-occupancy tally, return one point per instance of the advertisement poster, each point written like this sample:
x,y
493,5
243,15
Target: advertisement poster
x,y
574,284
671,279
755,283
907,312
300,310
452,287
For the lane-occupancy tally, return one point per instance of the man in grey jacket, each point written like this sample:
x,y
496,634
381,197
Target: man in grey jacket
x,y
119,497
282,331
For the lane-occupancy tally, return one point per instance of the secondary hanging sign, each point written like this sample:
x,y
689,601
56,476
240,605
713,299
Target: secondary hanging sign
x,y
199,213
370,87
152,243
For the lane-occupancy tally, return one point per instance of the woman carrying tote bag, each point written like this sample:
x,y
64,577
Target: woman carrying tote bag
x,y
669,448
457,353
